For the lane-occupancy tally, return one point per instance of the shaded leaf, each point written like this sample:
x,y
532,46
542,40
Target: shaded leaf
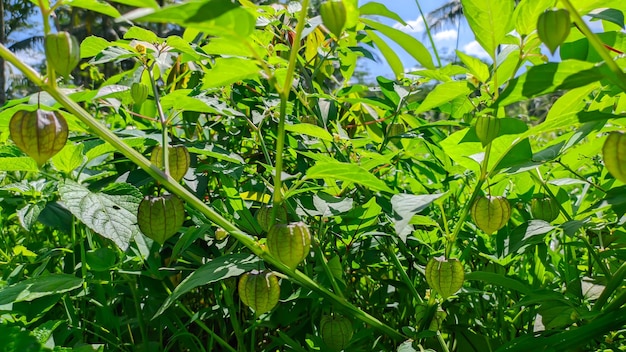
x,y
40,286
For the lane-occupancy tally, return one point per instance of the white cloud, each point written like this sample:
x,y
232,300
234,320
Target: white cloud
x,y
474,49
450,34
413,26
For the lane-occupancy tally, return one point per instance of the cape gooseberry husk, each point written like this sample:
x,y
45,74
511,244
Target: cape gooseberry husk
x,y
614,155
160,217
178,157
259,290
290,243
336,331
40,134
62,52
264,215
446,276
544,208
491,213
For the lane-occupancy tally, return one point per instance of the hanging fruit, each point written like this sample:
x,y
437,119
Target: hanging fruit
x,y
290,243
334,16
40,134
553,27
178,157
62,52
487,128
160,217
614,155
395,129
544,208
259,291
336,331
444,275
139,92
264,215
491,213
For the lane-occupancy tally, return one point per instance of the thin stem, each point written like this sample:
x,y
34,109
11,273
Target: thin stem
x,y
319,253
405,278
45,14
203,326
163,120
430,37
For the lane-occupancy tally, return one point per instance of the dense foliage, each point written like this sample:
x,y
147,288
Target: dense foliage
x,y
425,212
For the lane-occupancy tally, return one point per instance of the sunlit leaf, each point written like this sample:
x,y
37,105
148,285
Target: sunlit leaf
x,y
347,173
41,286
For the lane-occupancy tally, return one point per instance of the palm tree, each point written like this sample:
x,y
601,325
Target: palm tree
x,y
449,13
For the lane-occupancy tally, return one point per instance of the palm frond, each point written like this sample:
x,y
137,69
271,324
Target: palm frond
x,y
28,43
449,13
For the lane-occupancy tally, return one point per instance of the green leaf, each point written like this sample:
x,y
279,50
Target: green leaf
x,y
113,216
215,17
142,34
392,58
411,45
218,153
138,3
230,70
405,206
92,46
69,158
550,77
442,94
101,259
218,269
479,69
490,20
498,280
611,15
527,13
29,213
37,287
310,130
378,9
13,338
95,6
347,173
24,163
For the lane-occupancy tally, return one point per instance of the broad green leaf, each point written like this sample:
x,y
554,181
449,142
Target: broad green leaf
x,y
411,45
479,69
527,13
226,46
347,173
230,70
310,130
490,20
181,100
218,269
215,17
101,259
29,213
392,58
378,9
37,287
138,3
95,6
24,163
360,219
15,338
142,34
405,206
548,78
113,216
498,280
92,46
442,94
102,147
611,15
69,158
218,153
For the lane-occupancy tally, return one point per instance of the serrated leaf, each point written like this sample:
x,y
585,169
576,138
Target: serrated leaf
x,y
142,34
28,214
218,269
69,158
18,164
112,216
37,287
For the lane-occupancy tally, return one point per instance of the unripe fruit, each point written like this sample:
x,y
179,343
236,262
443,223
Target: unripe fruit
x,y
334,16
545,209
40,134
553,27
264,215
259,291
178,157
220,234
62,52
491,213
139,92
395,129
290,243
310,119
444,275
614,155
336,331
160,217
487,128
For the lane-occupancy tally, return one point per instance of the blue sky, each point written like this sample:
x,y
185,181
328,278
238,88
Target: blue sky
x,y
445,40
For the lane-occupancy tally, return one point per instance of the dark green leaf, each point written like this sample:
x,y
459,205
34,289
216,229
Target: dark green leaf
x,y
40,286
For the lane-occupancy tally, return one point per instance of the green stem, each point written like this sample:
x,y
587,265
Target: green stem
x,y
45,14
405,278
430,37
228,297
319,253
163,120
203,326
618,76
